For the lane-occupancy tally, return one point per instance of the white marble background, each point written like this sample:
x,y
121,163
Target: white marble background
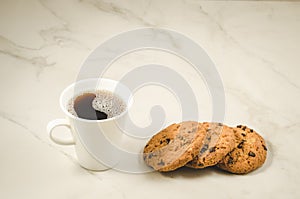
x,y
255,46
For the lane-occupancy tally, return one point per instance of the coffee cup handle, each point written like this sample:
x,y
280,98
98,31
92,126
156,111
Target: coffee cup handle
x,y
56,123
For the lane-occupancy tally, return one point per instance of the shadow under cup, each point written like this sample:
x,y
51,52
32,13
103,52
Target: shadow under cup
x,y
97,142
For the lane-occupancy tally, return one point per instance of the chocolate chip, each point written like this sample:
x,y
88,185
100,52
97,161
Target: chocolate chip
x,y
167,140
204,148
150,155
189,131
160,142
220,124
240,145
200,165
244,128
251,130
251,154
213,149
239,126
265,148
244,134
230,160
161,163
146,145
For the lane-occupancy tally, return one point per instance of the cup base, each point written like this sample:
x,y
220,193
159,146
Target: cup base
x,y
94,169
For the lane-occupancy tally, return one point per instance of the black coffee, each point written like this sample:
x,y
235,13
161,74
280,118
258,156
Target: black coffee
x,y
96,105
83,106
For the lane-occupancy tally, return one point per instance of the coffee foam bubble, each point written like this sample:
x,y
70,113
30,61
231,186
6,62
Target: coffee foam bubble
x,y
70,106
105,101
109,103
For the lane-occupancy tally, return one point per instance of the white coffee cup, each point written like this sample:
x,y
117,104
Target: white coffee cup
x,y
103,136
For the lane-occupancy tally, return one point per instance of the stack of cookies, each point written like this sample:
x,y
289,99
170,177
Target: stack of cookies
x,y
238,150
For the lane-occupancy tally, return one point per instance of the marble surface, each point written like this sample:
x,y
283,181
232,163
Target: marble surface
x,y
255,46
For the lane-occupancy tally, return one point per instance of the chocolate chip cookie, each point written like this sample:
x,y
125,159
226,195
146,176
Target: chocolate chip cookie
x,y
218,142
174,146
249,153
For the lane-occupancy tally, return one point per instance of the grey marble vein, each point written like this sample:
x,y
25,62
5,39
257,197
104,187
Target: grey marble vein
x,y
11,119
61,33
257,107
5,41
268,63
39,62
26,54
112,8
60,18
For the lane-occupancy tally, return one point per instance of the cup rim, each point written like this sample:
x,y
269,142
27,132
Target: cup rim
x,y
128,105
